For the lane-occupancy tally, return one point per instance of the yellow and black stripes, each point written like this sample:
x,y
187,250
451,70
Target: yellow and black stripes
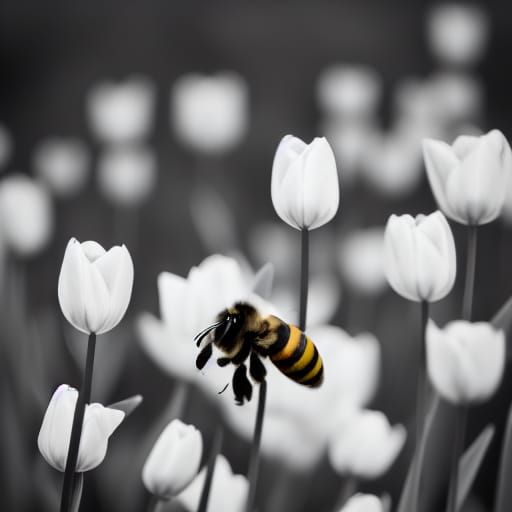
x,y
296,356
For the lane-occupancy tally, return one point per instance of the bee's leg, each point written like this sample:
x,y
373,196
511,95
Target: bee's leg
x,y
241,385
223,361
203,356
257,368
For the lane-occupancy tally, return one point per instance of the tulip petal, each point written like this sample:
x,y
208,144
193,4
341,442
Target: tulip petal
x,y
171,291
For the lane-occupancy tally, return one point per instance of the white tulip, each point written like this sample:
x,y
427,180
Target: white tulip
x,y
127,174
469,179
457,34
95,286
420,261
63,164
26,214
305,188
122,112
349,91
55,434
363,503
210,113
174,460
228,492
365,445
465,361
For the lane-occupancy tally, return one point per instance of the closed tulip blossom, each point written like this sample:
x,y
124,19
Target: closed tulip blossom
x,y
174,460
420,260
469,179
465,361
95,285
305,188
363,503
365,445
54,436
227,493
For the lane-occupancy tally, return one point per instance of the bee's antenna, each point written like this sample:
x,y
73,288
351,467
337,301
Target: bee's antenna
x,y
199,337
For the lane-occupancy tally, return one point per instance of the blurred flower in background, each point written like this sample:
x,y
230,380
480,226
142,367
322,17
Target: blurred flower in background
x,y
457,34
363,503
63,164
127,174
123,111
210,114
26,215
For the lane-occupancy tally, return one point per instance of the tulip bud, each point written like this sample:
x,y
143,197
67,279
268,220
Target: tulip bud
x,y
174,460
63,164
469,179
228,492
363,503
420,260
465,361
210,113
305,188
55,434
95,286
365,445
26,214
127,174
122,112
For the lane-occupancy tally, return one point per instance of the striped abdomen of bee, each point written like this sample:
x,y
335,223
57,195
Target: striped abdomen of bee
x,y
295,355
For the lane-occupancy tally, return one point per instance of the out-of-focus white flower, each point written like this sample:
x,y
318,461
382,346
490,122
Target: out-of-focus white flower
x,y
299,420
95,286
349,90
420,260
361,262
63,164
363,503
188,305
5,145
456,96
210,113
127,174
457,34
26,214
469,179
349,141
392,163
364,444
305,188
465,361
174,460
122,112
55,434
228,492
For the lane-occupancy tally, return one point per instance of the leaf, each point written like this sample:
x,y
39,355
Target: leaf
x,y
128,405
470,462
78,485
503,320
263,281
504,490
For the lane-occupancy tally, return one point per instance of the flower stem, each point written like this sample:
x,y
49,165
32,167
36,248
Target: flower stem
x,y
348,489
84,397
254,461
458,447
153,503
422,383
304,278
216,446
467,304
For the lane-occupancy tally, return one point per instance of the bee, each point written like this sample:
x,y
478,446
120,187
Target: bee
x,y
242,332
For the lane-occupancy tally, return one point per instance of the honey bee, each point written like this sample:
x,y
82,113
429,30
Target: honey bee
x,y
242,332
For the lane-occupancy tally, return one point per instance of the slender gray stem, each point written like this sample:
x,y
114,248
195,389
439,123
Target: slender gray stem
x,y
254,461
458,448
348,489
422,382
304,278
469,285
84,397
216,446
153,503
